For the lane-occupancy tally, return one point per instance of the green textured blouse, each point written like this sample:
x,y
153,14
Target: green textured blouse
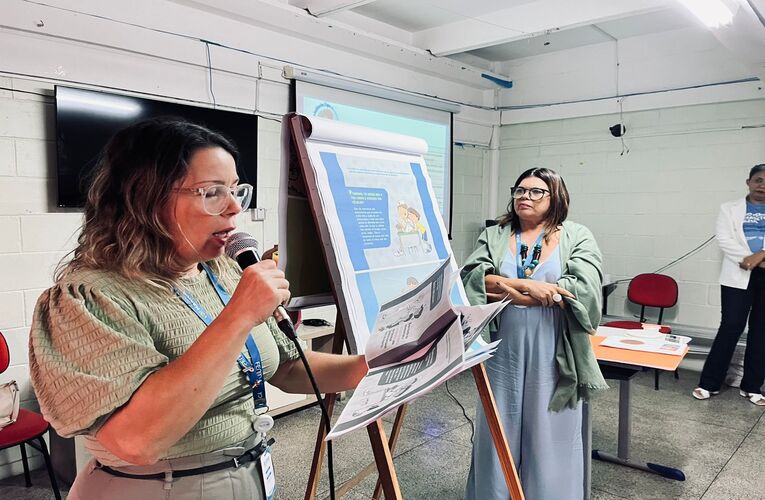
x,y
96,336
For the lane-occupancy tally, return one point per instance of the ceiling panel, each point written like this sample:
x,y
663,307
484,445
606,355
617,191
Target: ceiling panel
x,y
418,15
408,15
651,22
558,40
474,8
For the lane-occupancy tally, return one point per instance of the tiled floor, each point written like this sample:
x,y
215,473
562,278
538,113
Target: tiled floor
x,y
717,443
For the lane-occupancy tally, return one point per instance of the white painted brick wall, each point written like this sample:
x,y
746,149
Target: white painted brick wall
x,y
655,203
11,310
50,232
11,240
7,156
269,165
27,270
33,156
467,221
24,118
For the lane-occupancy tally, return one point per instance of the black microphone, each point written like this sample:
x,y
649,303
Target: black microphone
x,y
243,248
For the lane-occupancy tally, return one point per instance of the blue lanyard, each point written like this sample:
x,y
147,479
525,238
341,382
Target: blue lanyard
x,y
521,266
252,367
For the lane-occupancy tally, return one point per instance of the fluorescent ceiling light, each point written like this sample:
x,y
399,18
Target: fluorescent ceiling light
x,y
713,13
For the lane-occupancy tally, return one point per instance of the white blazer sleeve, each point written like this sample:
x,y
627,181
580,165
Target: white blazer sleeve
x,y
726,237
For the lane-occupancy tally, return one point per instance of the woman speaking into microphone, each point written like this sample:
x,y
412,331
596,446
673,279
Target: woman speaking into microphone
x,y
551,270
154,345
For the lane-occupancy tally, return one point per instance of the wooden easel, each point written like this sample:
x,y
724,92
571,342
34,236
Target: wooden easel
x,y
382,448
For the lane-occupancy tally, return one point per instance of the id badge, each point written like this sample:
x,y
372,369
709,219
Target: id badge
x,y
267,473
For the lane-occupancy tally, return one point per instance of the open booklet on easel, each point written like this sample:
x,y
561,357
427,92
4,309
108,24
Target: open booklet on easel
x,y
420,339
379,223
384,243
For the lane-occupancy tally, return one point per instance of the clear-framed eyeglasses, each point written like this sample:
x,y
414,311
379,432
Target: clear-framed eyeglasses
x,y
215,198
535,194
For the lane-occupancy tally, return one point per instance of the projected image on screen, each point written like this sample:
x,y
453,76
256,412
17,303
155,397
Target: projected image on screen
x,y
436,135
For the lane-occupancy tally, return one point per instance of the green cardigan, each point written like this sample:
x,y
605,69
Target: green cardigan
x,y
579,374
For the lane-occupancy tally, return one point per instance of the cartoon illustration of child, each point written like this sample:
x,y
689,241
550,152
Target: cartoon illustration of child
x,y
403,226
414,218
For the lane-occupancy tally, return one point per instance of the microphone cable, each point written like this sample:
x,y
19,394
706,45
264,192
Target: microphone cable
x,y
288,329
464,412
243,248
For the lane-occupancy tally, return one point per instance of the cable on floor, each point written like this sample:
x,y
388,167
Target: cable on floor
x,y
464,412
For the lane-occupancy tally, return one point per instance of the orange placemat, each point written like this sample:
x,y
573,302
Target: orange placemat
x,y
667,362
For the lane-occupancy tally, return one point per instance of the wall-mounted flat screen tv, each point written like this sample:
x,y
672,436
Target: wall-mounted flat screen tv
x,y
86,119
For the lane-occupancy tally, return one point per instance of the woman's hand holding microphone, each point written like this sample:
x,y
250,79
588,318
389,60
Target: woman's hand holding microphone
x,y
261,289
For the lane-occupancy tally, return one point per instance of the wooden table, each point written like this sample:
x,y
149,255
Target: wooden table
x,y
623,365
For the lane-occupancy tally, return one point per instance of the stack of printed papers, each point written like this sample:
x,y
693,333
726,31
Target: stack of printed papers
x,y
634,341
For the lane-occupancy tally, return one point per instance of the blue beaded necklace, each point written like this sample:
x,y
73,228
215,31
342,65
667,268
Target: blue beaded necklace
x,y
526,263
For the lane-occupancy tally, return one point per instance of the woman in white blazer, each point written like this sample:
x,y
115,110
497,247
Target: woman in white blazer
x,y
740,233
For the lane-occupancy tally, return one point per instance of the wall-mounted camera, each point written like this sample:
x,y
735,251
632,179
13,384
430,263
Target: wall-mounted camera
x,y
618,130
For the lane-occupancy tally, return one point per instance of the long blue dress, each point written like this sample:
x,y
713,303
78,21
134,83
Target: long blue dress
x,y
546,446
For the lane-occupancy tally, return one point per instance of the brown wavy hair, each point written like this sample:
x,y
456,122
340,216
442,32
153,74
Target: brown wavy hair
x,y
559,201
131,185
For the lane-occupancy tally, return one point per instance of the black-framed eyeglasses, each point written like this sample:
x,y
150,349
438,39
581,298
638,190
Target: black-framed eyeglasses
x,y
215,198
535,194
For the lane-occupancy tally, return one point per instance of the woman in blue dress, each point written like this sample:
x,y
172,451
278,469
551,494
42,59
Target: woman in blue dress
x,y
551,270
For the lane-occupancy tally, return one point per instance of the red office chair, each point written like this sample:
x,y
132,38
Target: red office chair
x,y
28,428
650,290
